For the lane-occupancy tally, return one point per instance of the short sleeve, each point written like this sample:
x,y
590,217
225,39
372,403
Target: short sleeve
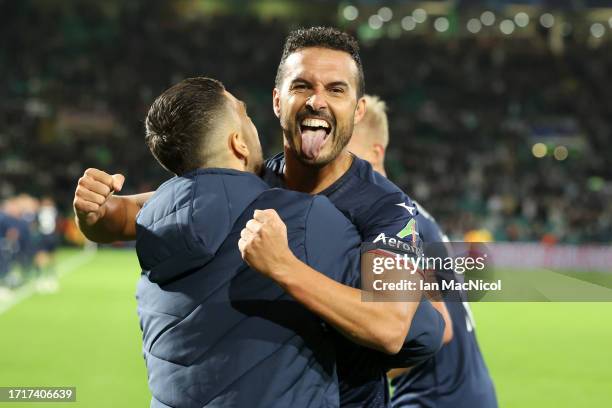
x,y
392,220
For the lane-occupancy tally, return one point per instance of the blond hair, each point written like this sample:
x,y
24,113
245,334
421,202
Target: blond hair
x,y
375,119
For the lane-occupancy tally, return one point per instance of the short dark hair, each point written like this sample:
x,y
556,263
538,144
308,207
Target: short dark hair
x,y
180,120
324,37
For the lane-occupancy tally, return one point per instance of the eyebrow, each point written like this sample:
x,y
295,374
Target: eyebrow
x,y
300,80
335,83
338,83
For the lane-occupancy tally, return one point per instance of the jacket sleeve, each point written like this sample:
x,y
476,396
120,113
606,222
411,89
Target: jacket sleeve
x,y
332,243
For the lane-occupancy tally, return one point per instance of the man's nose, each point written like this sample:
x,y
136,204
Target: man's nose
x,y
316,101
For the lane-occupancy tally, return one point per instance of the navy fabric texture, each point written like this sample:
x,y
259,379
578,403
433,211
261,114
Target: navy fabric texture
x,y
457,375
215,332
378,208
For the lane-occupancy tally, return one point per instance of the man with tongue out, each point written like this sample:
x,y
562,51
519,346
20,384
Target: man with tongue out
x,y
318,97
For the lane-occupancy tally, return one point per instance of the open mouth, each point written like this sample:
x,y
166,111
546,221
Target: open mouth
x,y
314,132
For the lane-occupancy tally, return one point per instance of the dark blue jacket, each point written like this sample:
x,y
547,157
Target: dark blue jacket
x,y
215,332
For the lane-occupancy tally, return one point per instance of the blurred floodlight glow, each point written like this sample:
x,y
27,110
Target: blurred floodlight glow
x,y
375,22
598,30
408,23
385,13
506,27
487,18
560,153
350,13
419,15
474,25
521,19
539,150
547,20
610,22
441,24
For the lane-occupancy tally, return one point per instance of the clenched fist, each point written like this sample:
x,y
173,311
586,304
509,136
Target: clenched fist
x,y
92,192
263,244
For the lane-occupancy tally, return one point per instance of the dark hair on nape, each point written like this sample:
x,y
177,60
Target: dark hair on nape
x,y
182,121
324,37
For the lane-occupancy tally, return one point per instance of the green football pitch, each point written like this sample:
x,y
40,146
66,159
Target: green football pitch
x,y
86,335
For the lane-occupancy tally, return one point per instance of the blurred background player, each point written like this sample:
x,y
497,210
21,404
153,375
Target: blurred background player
x,y
28,240
457,375
371,136
47,240
19,238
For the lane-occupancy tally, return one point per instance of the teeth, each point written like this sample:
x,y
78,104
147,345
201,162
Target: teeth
x,y
315,123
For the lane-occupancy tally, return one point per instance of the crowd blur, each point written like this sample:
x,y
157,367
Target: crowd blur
x,y
464,114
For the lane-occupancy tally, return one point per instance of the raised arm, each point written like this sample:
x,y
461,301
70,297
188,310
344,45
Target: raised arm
x,y
382,326
102,216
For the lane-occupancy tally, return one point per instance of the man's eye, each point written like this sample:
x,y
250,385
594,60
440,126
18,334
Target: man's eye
x,y
337,90
299,87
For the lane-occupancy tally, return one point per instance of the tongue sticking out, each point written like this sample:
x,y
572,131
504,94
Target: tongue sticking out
x,y
312,142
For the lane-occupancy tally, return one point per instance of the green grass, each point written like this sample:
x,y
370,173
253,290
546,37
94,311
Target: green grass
x,y
548,354
87,335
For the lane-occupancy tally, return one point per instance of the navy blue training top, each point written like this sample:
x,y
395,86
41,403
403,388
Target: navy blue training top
x,y
457,376
379,209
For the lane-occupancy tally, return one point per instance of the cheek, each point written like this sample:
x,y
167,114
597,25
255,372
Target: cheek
x,y
285,107
345,114
295,102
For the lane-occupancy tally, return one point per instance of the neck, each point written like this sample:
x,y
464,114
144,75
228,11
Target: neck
x,y
381,170
311,179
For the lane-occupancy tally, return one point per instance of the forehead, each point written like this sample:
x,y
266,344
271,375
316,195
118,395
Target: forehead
x,y
324,65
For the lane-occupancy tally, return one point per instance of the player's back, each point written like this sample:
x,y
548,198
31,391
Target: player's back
x,y
216,333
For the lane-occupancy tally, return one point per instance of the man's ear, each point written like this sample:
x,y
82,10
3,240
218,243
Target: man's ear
x,y
379,152
360,110
238,146
276,102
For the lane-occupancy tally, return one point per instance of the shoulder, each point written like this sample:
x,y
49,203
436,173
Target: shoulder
x,y
375,191
173,194
379,206
428,226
